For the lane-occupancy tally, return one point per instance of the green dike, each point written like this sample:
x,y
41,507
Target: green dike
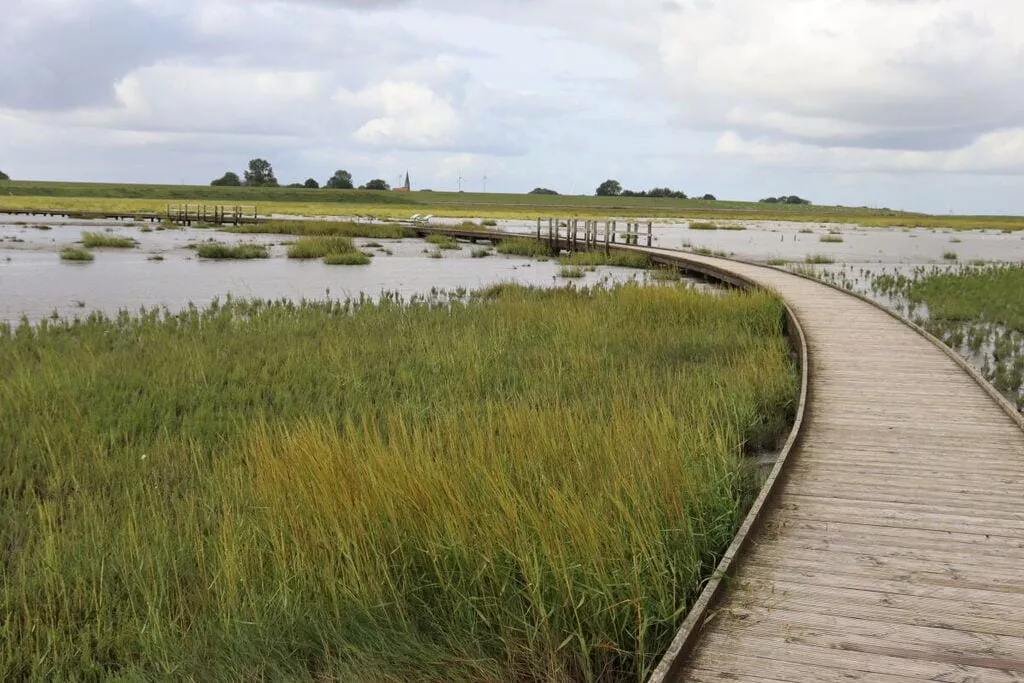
x,y
527,484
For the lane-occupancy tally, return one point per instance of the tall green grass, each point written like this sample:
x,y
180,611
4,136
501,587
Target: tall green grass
x,y
522,485
522,246
597,257
319,247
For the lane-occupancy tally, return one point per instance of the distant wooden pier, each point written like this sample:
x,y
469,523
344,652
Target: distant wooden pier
x,y
214,214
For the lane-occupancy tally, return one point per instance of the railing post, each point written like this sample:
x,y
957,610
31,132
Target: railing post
x,y
650,233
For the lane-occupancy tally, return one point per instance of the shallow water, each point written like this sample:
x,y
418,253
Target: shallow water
x,y
36,284
764,240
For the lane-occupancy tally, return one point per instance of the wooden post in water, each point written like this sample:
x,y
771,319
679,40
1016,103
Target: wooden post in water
x,y
650,233
538,228
607,235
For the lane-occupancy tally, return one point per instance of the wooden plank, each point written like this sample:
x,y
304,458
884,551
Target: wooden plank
x,y
826,630
718,646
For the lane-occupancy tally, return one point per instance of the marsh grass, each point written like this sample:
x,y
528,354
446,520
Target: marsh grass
x,y
219,251
665,274
93,240
571,272
703,225
777,261
521,246
41,226
831,239
481,252
348,258
949,256
319,247
76,254
378,491
597,257
443,242
818,259
323,228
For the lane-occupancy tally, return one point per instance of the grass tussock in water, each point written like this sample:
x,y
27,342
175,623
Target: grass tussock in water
x,y
348,258
92,240
220,251
443,242
76,254
571,272
831,239
523,247
381,491
323,228
597,257
319,247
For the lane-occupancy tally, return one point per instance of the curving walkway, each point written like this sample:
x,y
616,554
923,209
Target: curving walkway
x,y
893,549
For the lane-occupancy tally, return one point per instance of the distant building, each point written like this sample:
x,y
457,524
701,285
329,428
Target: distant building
x,y
407,187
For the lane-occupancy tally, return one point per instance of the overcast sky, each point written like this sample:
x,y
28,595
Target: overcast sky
x,y
913,104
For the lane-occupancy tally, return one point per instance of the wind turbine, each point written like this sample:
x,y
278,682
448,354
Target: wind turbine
x,y
460,181
485,184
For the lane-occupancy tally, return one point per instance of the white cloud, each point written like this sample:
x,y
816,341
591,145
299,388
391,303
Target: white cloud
x,y
407,114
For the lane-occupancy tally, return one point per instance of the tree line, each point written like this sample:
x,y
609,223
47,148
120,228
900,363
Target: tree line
x,y
791,199
260,173
613,188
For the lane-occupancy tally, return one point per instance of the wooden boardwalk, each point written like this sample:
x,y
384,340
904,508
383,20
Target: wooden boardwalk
x,y
893,547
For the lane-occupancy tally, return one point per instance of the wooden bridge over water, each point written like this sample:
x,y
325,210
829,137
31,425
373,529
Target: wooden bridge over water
x,y
888,543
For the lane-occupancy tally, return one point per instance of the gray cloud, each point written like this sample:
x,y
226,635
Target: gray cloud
x,y
70,54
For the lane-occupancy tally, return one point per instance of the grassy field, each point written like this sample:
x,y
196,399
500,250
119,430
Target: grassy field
x,y
521,485
131,197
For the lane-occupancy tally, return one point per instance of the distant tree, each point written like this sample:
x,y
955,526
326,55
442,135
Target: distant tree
x,y
312,184
295,186
631,193
709,198
4,176
341,180
609,188
666,192
260,174
376,184
542,190
229,179
791,199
